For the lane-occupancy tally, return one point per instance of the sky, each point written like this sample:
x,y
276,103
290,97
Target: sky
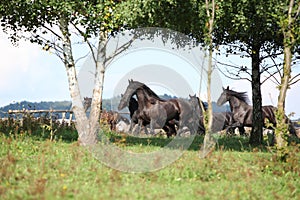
x,y
29,73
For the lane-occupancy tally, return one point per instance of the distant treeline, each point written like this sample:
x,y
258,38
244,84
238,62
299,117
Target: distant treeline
x,y
107,104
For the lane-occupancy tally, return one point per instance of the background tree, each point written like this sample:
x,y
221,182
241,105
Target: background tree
x,y
53,25
247,26
288,20
209,143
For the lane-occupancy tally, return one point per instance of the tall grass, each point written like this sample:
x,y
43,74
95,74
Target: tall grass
x,y
44,127
41,169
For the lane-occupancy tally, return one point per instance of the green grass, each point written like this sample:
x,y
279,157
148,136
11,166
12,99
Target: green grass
x,y
35,169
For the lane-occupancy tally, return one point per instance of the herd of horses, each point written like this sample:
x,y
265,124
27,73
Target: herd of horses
x,y
177,115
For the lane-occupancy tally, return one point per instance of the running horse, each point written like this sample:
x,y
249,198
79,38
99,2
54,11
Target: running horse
x,y
134,113
221,120
110,118
156,111
242,111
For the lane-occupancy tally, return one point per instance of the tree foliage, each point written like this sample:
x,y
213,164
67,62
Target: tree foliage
x,y
36,20
253,27
53,24
250,27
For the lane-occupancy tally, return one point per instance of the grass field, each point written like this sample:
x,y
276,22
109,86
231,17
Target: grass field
x,y
40,169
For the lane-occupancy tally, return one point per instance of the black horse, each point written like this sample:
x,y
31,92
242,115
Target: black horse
x,y
133,107
156,111
134,114
242,111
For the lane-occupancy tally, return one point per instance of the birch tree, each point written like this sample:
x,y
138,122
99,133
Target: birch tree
x,y
289,24
209,143
53,24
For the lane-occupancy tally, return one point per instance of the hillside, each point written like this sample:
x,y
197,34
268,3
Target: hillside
x,y
108,104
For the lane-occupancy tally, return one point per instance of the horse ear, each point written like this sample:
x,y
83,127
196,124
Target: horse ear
x,y
223,88
227,88
190,96
122,95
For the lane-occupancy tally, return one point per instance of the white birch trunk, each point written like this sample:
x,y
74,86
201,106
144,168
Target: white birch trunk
x,y
209,142
284,85
85,135
98,85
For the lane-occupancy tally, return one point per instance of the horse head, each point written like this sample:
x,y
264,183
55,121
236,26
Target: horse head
x,y
223,97
130,91
195,101
87,102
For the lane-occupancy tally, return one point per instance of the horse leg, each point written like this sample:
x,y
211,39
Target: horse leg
x,y
146,130
242,130
233,126
170,129
132,124
152,126
230,130
138,128
167,130
180,127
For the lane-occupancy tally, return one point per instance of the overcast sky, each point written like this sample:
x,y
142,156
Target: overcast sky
x,y
29,73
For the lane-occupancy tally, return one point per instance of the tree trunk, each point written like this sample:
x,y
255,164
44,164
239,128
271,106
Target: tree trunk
x,y
256,136
209,111
98,86
282,126
85,137
209,142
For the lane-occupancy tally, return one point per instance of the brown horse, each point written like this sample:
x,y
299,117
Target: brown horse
x,y
110,118
242,111
221,120
133,112
156,111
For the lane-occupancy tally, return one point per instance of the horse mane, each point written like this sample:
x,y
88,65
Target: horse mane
x,y
136,85
151,93
240,95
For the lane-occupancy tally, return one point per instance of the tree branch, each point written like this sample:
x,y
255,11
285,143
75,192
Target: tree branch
x,y
232,74
293,81
49,29
119,50
271,55
87,41
272,75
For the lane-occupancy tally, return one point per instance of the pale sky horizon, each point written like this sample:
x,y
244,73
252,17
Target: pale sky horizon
x,y
29,73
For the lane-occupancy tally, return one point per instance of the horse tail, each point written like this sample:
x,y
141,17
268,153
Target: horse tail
x,y
269,113
292,129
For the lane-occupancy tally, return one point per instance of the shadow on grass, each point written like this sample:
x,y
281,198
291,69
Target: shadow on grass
x,y
223,143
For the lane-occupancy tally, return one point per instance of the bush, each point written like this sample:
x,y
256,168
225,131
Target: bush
x,y
42,127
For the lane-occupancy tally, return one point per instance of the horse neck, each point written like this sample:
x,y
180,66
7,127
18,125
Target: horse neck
x,y
142,98
150,96
237,104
